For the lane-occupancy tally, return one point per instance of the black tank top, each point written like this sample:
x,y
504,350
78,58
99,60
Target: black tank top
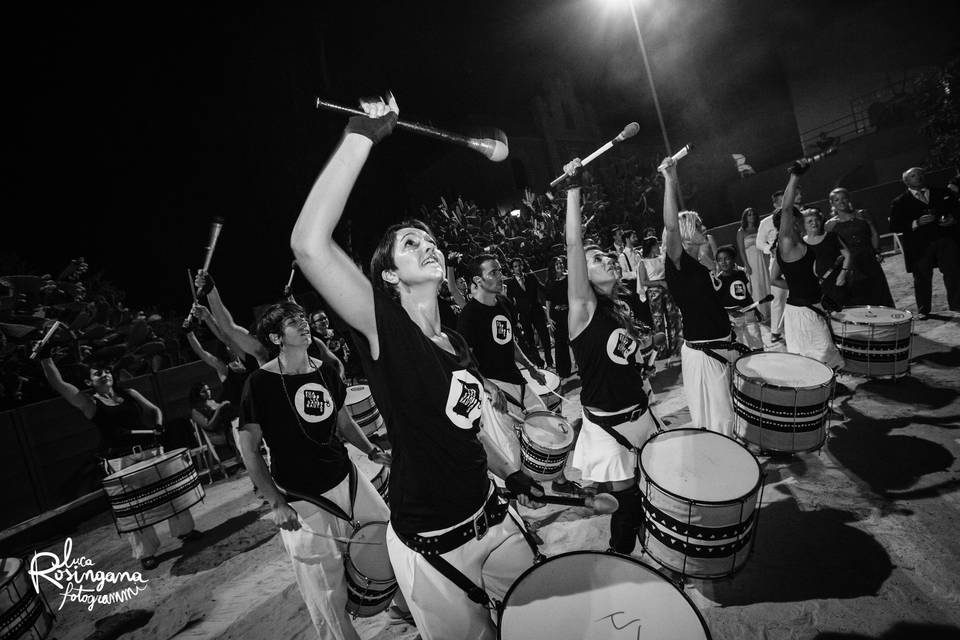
x,y
115,422
606,354
803,282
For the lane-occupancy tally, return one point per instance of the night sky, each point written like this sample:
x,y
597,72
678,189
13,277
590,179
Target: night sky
x,y
132,128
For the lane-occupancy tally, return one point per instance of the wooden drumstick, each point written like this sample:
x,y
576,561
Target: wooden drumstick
x,y
601,503
750,307
215,228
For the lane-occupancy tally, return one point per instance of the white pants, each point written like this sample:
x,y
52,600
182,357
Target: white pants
x,y
441,609
600,458
776,308
747,331
706,382
145,542
318,562
501,427
808,334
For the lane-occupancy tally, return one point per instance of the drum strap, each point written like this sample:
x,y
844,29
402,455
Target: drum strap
x,y
326,504
607,423
708,348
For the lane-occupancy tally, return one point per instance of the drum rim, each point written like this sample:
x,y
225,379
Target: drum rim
x,y
648,479
355,386
761,382
349,559
554,414
580,552
154,461
909,318
13,576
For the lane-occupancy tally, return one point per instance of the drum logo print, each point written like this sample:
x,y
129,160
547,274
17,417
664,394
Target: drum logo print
x,y
313,402
620,346
464,399
738,290
502,330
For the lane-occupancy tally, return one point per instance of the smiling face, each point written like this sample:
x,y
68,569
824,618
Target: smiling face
x,y
101,379
320,322
840,201
516,267
416,258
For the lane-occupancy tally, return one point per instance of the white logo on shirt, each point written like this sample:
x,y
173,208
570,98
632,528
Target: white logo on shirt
x,y
738,290
464,399
313,402
620,346
502,329
716,282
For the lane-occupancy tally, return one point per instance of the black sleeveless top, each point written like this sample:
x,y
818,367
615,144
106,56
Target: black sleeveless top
x,y
802,280
115,422
606,355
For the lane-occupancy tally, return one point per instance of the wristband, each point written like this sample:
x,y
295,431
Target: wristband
x,y
374,452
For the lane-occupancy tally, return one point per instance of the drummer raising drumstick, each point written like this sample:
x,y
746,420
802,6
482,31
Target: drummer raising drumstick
x,y
454,544
616,416
296,403
120,415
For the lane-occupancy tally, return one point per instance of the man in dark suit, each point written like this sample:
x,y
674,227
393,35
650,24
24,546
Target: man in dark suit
x,y
525,291
927,217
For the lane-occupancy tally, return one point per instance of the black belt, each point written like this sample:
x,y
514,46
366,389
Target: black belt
x,y
493,512
709,346
606,422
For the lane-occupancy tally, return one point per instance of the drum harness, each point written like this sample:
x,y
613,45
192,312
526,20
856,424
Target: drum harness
x,y
709,346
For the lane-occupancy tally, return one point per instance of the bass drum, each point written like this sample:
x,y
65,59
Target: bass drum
x,y
600,596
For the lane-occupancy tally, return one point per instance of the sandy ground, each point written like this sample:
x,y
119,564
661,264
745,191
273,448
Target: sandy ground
x,y
856,541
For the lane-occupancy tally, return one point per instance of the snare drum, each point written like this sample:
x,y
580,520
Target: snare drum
x,y
24,613
874,341
381,482
545,443
547,392
601,596
153,490
361,407
699,491
781,401
371,584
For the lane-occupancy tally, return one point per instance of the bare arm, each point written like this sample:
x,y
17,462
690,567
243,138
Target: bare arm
x,y
328,268
153,417
329,357
671,221
790,246
250,437
454,290
581,299
208,358
69,392
352,433
232,332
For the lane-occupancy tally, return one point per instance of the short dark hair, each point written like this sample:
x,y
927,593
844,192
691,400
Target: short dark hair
x,y
272,322
727,248
382,259
776,194
474,268
648,244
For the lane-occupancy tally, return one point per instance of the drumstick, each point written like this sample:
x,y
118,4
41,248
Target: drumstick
x,y
215,228
193,292
601,503
303,525
750,307
46,338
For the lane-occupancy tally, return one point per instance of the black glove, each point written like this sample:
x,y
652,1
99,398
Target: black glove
x,y
46,351
208,285
518,483
374,128
799,167
190,323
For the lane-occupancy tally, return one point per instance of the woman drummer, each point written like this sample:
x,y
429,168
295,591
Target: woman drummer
x,y
296,402
616,418
452,545
120,416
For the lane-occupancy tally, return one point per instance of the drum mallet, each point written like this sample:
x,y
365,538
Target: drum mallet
x,y
601,503
215,228
628,132
46,338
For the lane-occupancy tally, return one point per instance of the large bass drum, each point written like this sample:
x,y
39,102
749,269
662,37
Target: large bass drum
x,y
597,596
874,341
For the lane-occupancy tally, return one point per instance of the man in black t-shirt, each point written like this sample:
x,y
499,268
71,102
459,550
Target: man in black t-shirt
x,y
295,402
557,306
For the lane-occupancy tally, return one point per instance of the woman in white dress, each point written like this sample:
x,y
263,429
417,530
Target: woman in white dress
x,y
755,261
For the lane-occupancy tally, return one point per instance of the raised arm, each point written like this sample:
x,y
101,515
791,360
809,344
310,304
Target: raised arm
x,y
152,416
582,300
672,243
742,251
208,358
69,392
328,268
326,355
790,245
233,333
452,285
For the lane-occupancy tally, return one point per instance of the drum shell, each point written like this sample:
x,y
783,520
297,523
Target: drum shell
x,y
381,482
24,613
572,595
364,410
780,418
371,584
540,461
705,539
145,494
874,349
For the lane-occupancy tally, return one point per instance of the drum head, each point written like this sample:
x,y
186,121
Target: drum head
x,y
553,382
143,464
371,559
356,393
784,369
873,315
547,430
699,466
588,594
